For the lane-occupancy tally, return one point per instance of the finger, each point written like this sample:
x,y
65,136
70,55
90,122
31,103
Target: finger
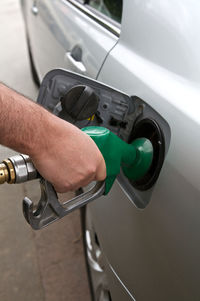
x,y
101,172
84,182
62,189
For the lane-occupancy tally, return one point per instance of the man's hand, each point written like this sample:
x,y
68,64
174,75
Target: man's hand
x,y
63,154
67,157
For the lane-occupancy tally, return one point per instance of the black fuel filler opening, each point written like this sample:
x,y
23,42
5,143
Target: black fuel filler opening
x,y
149,128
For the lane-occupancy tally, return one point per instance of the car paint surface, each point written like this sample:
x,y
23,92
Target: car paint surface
x,y
158,248
150,254
57,29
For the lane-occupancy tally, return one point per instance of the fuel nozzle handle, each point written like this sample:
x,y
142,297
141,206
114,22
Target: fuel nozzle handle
x,y
135,160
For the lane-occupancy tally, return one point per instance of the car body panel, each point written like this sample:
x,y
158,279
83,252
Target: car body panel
x,y
155,251
58,28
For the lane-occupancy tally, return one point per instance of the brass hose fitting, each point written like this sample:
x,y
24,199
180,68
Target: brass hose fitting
x,y
17,169
4,176
7,172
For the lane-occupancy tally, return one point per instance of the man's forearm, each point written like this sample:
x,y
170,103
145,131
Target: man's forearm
x,y
22,122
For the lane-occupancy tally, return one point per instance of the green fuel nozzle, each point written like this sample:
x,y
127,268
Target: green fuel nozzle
x,y
135,159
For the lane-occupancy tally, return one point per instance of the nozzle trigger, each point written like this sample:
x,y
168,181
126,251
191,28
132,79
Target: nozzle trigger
x,y
49,209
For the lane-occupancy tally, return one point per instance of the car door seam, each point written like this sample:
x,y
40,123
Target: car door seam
x,y
106,59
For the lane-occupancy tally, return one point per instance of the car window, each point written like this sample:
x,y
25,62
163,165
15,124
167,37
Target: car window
x,y
110,8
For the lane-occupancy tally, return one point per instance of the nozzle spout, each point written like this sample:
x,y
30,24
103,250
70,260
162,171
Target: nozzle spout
x,y
135,158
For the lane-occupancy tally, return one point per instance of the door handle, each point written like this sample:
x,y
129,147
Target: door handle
x,y
76,65
34,9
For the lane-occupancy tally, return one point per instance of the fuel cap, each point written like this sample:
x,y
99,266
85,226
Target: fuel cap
x,y
80,103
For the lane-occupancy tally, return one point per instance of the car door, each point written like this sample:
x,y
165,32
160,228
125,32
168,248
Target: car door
x,y
70,34
153,253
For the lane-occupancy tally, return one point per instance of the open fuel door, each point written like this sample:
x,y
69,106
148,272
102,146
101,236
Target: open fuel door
x,y
86,102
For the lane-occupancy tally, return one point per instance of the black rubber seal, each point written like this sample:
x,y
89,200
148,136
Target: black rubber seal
x,y
149,128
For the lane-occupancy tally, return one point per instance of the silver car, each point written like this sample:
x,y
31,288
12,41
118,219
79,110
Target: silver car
x,y
142,241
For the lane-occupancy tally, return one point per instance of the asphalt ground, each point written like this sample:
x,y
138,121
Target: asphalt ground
x,y
45,265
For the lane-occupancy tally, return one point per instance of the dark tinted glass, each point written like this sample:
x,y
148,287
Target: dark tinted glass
x,y
110,8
